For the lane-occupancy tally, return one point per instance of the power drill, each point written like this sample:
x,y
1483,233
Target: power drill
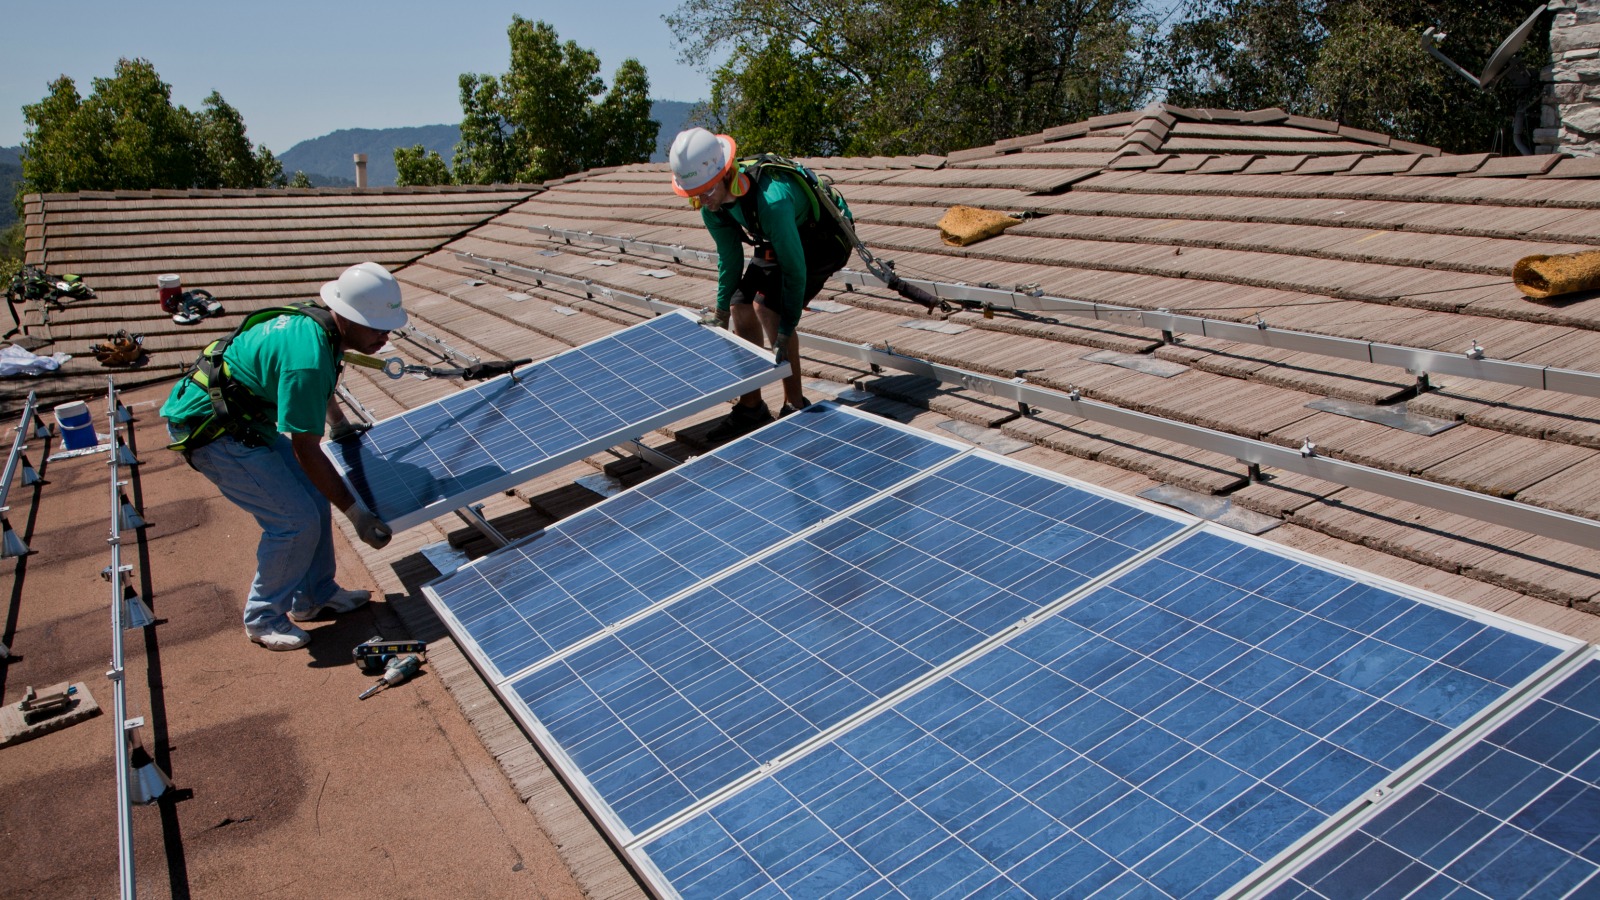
x,y
399,670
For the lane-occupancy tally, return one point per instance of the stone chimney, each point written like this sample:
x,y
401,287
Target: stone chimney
x,y
361,166
1570,120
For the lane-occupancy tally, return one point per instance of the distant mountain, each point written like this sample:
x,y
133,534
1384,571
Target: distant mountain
x,y
333,155
329,161
10,174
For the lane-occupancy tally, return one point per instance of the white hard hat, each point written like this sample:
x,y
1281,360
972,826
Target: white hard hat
x,y
368,295
699,159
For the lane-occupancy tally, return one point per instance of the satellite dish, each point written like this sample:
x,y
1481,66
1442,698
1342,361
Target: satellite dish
x,y
1503,55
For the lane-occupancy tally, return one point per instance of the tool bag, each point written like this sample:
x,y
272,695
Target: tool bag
x,y
235,411
120,349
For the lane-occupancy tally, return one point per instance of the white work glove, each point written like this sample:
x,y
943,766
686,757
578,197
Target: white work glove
x,y
369,527
347,429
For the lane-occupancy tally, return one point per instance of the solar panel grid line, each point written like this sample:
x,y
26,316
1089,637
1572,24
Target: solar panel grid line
x,y
495,435
864,473
1181,851
889,701
689,590
1417,779
553,687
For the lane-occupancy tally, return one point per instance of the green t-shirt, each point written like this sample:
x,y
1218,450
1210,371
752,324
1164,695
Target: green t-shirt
x,y
782,206
287,362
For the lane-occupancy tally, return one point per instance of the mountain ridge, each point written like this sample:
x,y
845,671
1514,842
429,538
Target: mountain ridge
x,y
330,158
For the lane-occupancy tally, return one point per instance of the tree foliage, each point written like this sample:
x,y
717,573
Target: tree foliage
x,y
550,114
912,76
127,135
417,165
1357,62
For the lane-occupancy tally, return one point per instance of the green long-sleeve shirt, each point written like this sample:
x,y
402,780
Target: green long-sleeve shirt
x,y
782,207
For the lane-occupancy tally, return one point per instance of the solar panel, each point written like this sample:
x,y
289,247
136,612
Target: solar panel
x,y
838,656
677,705
496,435
613,560
1163,736
1516,814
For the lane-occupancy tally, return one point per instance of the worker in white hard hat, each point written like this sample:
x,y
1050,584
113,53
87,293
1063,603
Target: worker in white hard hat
x,y
250,417
765,202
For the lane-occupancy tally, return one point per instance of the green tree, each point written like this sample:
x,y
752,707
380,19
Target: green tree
x,y
546,117
417,165
300,180
912,76
1358,62
127,135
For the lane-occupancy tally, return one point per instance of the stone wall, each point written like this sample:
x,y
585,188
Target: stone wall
x,y
1570,120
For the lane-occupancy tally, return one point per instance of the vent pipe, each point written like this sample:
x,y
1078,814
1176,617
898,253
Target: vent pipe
x,y
361,170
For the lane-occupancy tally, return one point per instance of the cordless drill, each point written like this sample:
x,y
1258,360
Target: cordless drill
x,y
398,670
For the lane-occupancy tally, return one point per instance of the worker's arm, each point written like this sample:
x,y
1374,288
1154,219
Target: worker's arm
x,y
778,212
730,258
308,452
317,466
339,425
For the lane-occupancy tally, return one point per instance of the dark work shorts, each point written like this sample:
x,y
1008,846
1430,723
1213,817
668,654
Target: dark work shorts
x,y
761,279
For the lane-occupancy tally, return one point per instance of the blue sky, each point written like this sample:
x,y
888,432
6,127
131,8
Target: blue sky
x,y
298,69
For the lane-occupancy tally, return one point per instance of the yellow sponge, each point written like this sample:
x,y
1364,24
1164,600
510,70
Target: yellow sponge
x,y
1541,276
963,225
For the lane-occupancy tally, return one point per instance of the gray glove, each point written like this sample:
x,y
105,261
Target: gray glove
x,y
347,429
719,318
780,350
369,527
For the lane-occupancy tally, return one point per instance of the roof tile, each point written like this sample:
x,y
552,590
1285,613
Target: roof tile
x,y
1515,166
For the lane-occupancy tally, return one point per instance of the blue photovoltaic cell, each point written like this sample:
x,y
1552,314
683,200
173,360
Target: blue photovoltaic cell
x,y
1516,814
465,446
1161,737
682,702
601,565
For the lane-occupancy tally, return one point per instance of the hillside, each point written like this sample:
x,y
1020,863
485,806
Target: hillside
x,y
332,155
330,159
10,174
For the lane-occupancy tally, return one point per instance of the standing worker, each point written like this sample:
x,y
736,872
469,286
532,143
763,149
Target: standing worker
x,y
250,418
765,202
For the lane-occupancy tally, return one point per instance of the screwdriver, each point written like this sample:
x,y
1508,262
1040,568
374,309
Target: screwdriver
x,y
398,670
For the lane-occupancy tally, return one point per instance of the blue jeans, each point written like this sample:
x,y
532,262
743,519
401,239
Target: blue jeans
x,y
294,561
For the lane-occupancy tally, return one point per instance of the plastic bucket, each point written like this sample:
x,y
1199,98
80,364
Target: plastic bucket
x,y
77,427
170,287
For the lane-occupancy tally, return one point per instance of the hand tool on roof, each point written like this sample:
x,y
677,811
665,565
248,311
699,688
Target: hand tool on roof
x,y
398,670
395,367
375,654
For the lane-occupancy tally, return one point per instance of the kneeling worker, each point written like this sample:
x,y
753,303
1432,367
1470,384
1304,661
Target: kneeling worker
x,y
797,247
256,434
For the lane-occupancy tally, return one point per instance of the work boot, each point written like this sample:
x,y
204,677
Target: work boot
x,y
285,637
342,601
742,420
793,407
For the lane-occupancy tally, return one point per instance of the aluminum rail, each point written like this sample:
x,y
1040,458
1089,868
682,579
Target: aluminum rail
x,y
117,675
16,449
1471,362
1305,461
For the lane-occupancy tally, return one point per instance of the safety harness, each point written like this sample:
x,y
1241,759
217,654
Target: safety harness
x,y
235,411
817,190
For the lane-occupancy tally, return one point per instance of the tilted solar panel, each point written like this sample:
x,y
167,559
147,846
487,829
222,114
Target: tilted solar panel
x,y
498,434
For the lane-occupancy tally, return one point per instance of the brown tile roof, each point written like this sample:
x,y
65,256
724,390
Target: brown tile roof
x,y
251,249
1271,219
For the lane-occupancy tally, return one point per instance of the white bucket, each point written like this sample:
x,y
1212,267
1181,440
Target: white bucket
x,y
77,426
